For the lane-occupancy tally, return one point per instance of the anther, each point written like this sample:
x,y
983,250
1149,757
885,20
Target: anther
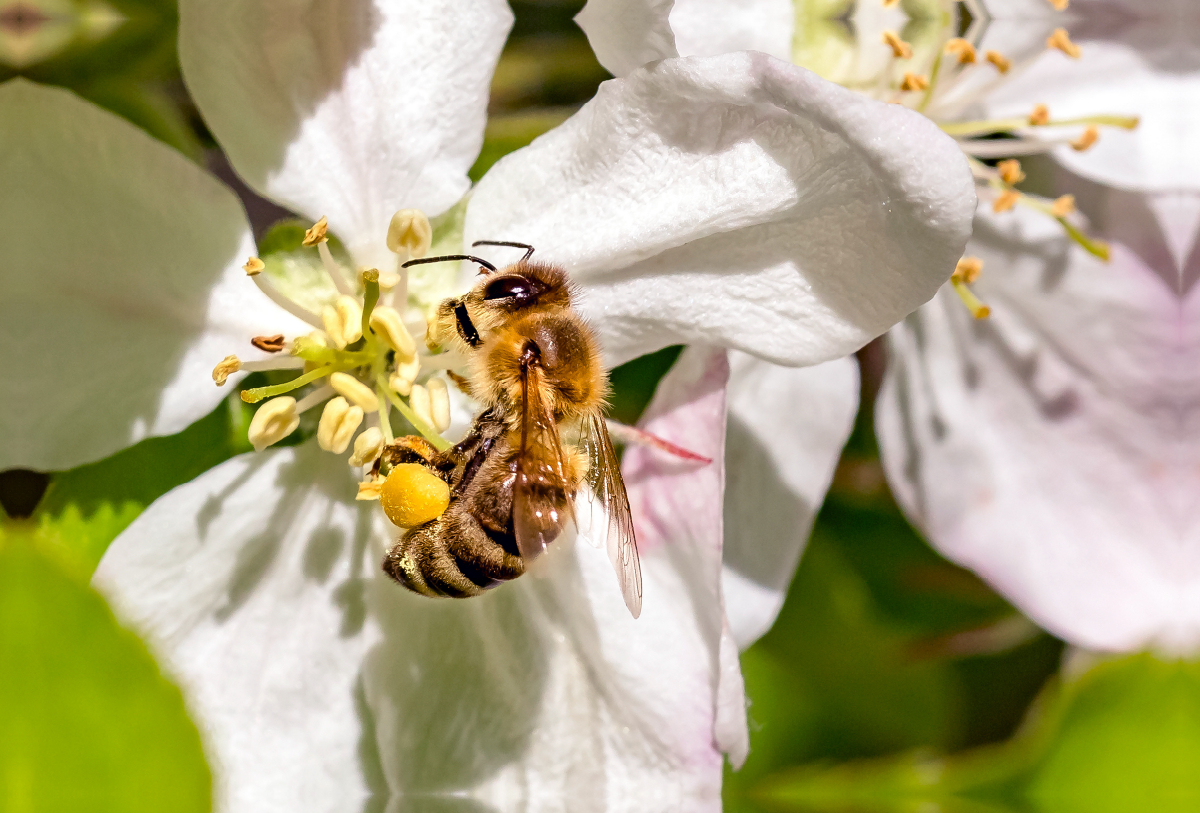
x,y
967,269
1010,171
1005,201
367,447
388,324
900,48
962,49
354,391
253,266
1060,5
439,404
317,233
890,3
409,234
1039,115
913,81
405,374
343,321
339,422
419,400
1062,41
1063,206
1089,137
274,421
999,60
268,344
370,489
227,367
973,303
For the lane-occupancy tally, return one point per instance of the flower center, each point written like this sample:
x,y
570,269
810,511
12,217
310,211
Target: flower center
x,y
360,361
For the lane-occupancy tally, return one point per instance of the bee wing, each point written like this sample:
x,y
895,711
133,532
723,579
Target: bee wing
x,y
542,491
604,480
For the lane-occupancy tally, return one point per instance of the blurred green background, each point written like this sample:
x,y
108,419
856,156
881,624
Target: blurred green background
x,y
893,680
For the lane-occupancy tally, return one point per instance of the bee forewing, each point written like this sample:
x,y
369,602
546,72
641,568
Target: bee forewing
x,y
605,481
590,519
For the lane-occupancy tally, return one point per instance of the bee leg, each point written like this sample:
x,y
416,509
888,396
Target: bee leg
x,y
422,561
462,383
410,449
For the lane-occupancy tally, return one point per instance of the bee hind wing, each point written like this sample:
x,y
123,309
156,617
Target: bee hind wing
x,y
606,484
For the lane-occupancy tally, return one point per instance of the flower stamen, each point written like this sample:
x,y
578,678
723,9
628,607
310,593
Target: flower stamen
x,y
1089,137
998,59
900,48
1061,41
913,81
273,422
966,272
339,422
962,49
355,391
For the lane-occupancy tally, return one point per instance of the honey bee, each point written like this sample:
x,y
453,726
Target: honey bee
x,y
535,366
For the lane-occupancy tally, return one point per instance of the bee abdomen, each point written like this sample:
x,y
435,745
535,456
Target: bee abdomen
x,y
450,556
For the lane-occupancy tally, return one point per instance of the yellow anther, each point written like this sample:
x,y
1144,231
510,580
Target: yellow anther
x,y
439,404
1089,137
367,447
370,489
405,374
1060,5
253,266
354,391
317,233
1063,206
1040,115
388,325
999,60
967,270
343,321
228,366
412,495
1061,40
409,234
973,303
914,81
1005,201
418,399
1010,171
890,3
274,421
962,49
339,422
900,48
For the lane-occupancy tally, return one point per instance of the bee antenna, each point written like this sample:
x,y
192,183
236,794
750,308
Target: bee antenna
x,y
528,248
447,258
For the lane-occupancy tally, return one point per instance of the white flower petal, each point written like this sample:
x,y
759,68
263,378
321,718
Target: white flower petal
x,y
1053,447
351,109
626,34
545,693
786,430
711,27
122,284
736,200
250,585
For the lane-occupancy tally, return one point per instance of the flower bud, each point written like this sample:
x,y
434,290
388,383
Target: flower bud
x,y
389,326
409,234
354,391
274,421
367,447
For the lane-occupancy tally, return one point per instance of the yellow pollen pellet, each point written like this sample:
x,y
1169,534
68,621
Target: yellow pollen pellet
x,y
964,50
914,81
354,391
317,233
967,270
253,266
1062,41
339,422
999,60
1089,137
1010,171
1063,206
228,366
412,495
1040,115
1005,201
900,48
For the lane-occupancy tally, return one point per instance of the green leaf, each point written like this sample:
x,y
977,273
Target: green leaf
x,y
88,721
85,508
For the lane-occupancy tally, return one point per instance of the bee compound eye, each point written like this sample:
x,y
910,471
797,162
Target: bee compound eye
x,y
518,288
